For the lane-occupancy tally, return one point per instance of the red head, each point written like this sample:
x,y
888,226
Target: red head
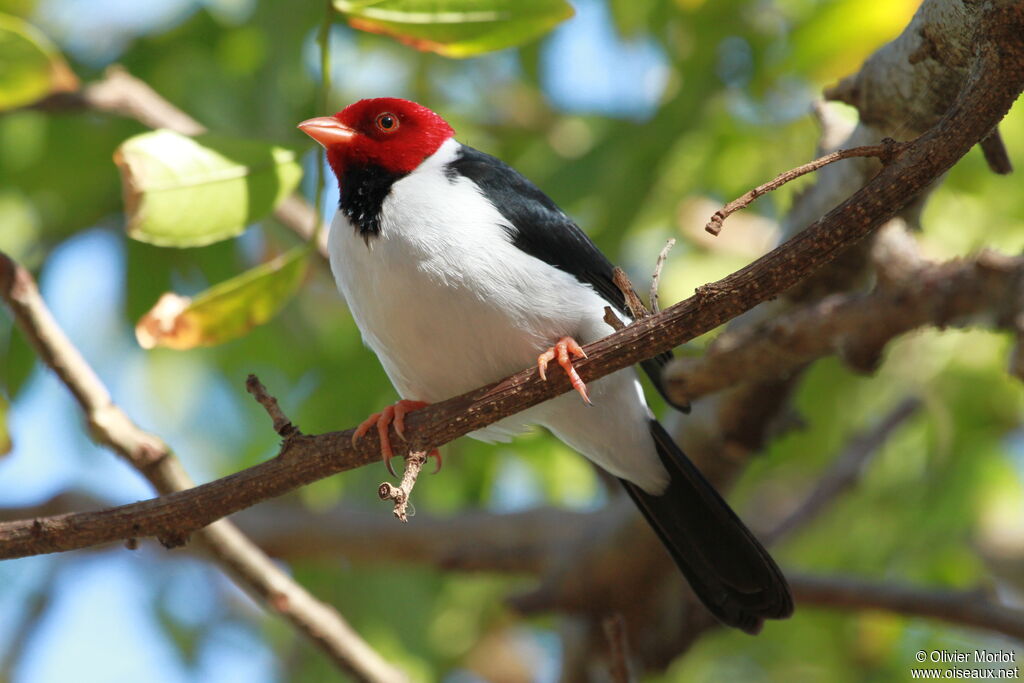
x,y
388,132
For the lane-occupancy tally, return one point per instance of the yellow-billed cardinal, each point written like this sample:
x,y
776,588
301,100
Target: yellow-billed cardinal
x,y
459,272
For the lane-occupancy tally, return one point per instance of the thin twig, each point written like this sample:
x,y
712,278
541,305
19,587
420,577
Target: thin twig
x,y
633,303
282,425
995,153
248,566
613,320
618,648
846,469
400,494
886,151
655,307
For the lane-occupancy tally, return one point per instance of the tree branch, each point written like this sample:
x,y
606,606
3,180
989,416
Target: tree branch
x,y
886,151
967,608
857,326
236,554
844,471
994,82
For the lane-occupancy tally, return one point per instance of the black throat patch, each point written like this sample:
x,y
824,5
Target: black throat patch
x,y
363,190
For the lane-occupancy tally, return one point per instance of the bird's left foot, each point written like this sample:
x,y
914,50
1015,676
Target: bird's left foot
x,y
392,414
561,351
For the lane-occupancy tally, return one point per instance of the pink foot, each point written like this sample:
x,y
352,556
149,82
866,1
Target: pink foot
x,y
392,414
561,351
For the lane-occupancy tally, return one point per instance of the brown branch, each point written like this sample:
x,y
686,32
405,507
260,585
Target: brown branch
x,y
844,472
995,153
967,608
995,80
659,264
634,305
400,494
530,542
236,554
886,151
526,542
857,326
121,94
282,425
613,320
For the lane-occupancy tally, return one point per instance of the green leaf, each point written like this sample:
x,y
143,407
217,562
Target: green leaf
x,y
187,192
456,28
31,67
225,311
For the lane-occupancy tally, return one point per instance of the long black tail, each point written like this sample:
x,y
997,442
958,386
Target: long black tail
x,y
728,569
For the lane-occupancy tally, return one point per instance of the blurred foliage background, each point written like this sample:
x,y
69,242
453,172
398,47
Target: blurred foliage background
x,y
636,116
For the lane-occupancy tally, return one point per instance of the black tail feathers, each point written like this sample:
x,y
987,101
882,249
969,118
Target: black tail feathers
x,y
728,569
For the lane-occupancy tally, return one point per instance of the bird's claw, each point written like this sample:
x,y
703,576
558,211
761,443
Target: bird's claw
x,y
393,414
561,352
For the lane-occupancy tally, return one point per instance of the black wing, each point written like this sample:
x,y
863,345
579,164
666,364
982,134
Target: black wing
x,y
542,230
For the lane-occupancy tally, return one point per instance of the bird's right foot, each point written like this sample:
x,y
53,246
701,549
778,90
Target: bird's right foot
x,y
394,413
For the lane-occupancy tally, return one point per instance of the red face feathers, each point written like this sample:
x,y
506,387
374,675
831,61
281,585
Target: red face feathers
x,y
392,133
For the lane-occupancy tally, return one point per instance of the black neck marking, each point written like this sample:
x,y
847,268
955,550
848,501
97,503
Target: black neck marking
x,y
363,191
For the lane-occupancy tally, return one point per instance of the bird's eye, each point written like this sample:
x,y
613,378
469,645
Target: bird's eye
x,y
387,122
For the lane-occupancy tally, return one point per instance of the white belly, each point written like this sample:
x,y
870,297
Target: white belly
x,y
444,298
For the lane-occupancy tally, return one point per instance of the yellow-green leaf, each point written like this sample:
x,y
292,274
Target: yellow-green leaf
x,y
31,67
186,192
225,311
456,28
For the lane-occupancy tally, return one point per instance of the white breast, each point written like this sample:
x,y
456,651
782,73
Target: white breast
x,y
449,304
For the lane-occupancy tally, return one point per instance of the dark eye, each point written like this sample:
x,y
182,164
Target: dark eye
x,y
387,122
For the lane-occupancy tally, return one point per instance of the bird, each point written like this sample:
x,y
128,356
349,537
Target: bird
x,y
459,272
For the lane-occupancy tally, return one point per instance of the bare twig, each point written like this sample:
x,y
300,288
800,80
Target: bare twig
x,y
282,425
995,153
236,554
633,303
613,320
970,608
655,307
887,151
618,648
846,469
400,494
